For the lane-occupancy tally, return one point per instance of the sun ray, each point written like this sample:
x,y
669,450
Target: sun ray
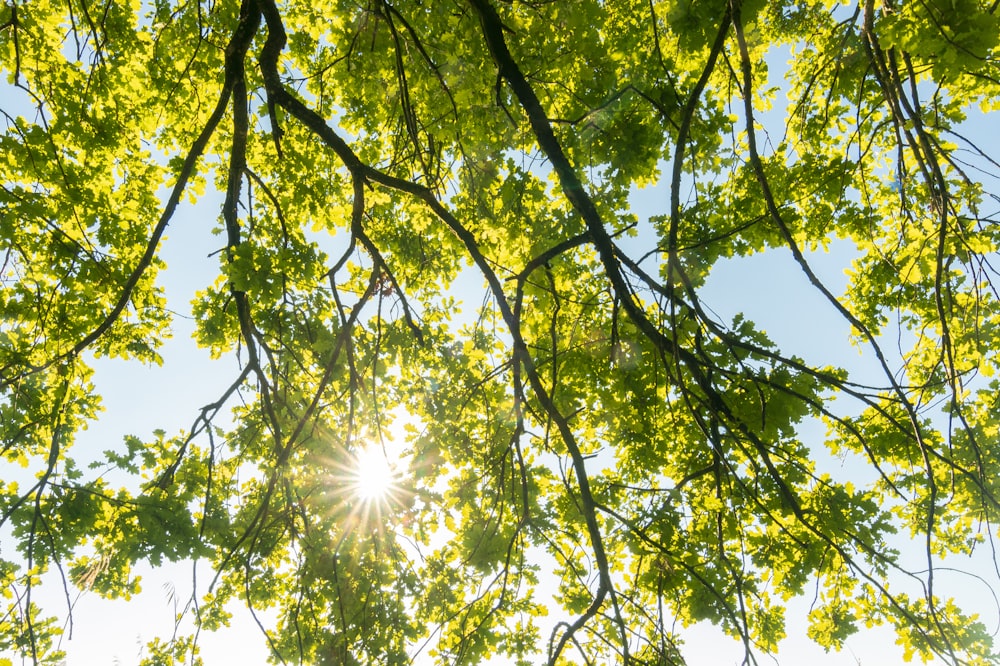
x,y
365,485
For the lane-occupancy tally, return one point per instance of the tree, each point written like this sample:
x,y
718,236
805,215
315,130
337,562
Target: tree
x,y
593,428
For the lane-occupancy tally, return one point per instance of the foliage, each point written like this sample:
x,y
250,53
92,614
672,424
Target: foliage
x,y
593,429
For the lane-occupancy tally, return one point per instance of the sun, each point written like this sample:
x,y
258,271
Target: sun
x,y
374,475
366,482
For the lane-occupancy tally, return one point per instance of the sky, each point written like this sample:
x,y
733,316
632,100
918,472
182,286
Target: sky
x,y
768,288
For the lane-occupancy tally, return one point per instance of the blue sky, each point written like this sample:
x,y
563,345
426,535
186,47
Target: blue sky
x,y
768,288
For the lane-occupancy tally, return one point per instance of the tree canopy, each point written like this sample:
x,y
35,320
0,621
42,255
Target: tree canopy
x,y
594,459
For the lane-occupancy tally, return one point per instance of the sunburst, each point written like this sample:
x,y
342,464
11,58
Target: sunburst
x,y
364,485
374,477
